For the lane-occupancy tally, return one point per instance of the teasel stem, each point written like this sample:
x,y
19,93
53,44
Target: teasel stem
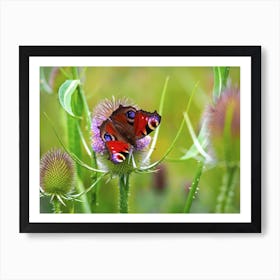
x,y
124,192
231,189
194,187
87,113
227,191
86,108
56,206
82,96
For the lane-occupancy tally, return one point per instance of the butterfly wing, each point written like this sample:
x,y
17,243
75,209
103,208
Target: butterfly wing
x,y
123,119
115,143
118,150
145,123
108,132
134,124
126,125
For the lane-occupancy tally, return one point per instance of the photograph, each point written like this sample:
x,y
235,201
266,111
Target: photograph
x,y
140,139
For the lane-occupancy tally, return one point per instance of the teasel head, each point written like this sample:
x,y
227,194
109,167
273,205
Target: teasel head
x,y
57,175
223,120
137,156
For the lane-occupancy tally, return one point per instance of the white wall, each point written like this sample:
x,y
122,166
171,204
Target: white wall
x,y
131,256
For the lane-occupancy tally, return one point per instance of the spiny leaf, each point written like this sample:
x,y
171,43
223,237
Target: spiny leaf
x,y
65,94
153,165
195,139
202,139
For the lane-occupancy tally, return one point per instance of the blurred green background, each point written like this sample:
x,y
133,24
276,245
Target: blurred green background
x,y
165,191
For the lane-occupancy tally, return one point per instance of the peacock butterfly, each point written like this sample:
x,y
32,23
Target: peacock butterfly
x,y
124,127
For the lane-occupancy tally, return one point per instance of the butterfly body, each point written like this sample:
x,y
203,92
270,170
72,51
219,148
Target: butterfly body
x,y
124,127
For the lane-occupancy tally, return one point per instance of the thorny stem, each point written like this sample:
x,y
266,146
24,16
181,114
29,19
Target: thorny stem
x,y
82,96
124,191
224,201
56,206
227,190
193,187
86,108
88,126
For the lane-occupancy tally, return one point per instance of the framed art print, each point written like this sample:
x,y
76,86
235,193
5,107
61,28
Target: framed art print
x,y
140,138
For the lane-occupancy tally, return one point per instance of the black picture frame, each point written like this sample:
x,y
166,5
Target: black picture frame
x,y
254,52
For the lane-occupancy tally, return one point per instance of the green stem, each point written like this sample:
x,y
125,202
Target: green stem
x,y
85,204
220,81
82,97
193,187
56,206
86,110
124,191
225,197
231,191
224,201
73,140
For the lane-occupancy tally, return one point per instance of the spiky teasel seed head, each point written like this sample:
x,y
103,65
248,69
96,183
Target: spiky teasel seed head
x,y
57,173
228,101
138,153
223,119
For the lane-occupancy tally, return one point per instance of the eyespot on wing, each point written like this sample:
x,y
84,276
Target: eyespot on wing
x,y
145,123
118,150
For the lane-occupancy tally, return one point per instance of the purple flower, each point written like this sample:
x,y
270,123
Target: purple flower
x,y
101,113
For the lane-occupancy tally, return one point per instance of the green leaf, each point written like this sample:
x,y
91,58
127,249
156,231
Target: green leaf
x,y
65,94
220,81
